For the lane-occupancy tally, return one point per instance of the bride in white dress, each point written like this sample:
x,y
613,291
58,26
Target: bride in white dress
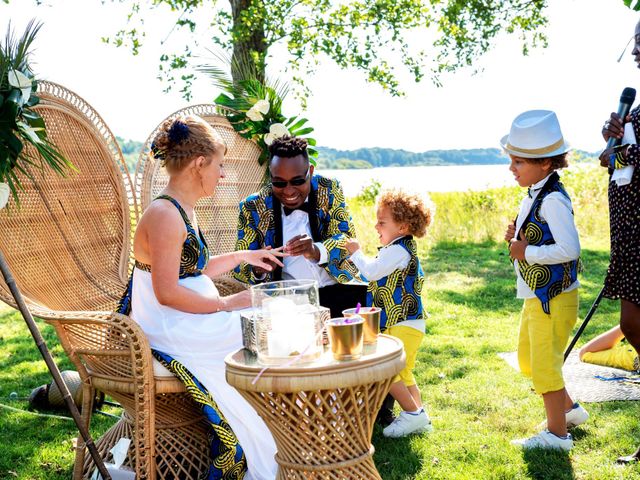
x,y
172,297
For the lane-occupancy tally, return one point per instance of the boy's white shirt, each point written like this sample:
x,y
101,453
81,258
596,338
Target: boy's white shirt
x,y
390,258
556,211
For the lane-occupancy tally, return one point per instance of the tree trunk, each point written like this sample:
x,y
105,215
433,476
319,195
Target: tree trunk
x,y
249,46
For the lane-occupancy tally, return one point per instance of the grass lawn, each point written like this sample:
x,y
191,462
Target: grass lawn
x,y
477,402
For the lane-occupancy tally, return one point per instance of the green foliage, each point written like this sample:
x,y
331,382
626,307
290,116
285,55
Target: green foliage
x,y
33,447
482,216
634,4
20,125
369,193
345,163
254,109
131,150
129,146
374,37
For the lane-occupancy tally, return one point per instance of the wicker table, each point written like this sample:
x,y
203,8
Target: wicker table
x,y
321,415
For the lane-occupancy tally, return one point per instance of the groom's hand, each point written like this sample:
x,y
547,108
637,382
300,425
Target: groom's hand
x,y
303,245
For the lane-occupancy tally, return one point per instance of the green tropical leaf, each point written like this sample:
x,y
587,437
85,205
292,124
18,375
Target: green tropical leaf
x,y
19,124
300,133
298,124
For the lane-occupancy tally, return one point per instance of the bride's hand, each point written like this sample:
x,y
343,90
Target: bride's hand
x,y
265,258
237,301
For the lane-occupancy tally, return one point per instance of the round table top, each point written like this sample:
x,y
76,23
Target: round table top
x,y
378,362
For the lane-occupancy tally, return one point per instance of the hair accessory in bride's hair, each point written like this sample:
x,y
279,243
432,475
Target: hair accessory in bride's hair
x,y
178,132
157,152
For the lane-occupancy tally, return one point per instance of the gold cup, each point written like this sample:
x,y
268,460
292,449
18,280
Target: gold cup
x,y
371,326
345,335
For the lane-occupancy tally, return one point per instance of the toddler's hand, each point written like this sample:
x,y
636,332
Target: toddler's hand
x,y
511,232
352,245
517,248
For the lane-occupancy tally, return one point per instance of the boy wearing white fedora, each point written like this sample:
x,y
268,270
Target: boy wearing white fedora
x,y
545,248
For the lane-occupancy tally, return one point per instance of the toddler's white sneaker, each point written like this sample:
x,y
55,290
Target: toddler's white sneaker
x,y
407,423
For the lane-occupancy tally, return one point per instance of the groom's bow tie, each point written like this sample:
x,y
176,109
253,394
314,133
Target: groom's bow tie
x,y
304,207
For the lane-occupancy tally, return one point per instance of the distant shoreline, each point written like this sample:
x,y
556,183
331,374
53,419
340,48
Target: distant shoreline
x,y
376,157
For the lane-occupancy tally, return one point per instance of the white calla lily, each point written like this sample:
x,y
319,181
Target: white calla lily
x,y
254,115
269,138
17,79
30,132
262,106
278,129
5,192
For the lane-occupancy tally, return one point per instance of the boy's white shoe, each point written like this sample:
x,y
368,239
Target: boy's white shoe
x,y
545,439
407,423
576,416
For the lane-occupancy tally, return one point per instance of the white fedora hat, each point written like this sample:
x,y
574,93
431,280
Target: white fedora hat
x,y
535,134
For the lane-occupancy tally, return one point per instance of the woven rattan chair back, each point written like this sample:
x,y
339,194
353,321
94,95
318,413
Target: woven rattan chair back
x,y
69,247
68,244
217,215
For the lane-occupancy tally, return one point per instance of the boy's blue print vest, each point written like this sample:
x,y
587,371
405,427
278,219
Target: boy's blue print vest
x,y
399,294
546,281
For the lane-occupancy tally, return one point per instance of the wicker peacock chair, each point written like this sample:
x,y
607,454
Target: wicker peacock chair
x,y
69,246
217,215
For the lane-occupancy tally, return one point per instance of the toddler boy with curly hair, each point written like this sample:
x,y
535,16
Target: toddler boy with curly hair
x,y
395,285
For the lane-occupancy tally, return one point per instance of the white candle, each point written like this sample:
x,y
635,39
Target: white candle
x,y
278,344
291,332
302,333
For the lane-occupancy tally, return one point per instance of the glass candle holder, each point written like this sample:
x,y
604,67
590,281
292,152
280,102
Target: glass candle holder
x,y
288,321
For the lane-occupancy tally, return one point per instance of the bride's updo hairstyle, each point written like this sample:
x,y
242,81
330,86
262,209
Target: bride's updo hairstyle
x,y
182,139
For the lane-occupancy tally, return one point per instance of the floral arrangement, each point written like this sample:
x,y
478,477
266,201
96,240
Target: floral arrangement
x,y
20,125
254,109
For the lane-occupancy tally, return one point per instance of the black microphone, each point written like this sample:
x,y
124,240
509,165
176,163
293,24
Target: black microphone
x,y
626,100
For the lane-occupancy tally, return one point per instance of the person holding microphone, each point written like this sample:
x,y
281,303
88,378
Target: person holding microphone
x,y
622,157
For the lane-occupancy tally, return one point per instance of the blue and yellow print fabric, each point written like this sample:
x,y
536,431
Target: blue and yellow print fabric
x,y
546,281
227,457
256,228
399,294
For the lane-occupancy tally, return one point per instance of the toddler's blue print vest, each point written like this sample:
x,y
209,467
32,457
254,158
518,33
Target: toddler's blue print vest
x,y
399,294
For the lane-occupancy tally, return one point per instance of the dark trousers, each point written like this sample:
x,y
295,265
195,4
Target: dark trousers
x,y
339,297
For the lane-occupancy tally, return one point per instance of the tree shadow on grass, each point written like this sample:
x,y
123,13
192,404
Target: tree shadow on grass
x,y
544,464
25,437
395,458
488,264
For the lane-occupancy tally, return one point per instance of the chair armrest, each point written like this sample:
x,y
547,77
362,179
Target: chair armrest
x,y
105,346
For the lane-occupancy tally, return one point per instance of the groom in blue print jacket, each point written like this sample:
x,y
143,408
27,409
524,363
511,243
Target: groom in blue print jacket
x,y
307,214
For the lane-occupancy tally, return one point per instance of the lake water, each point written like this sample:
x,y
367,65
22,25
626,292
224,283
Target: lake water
x,y
429,179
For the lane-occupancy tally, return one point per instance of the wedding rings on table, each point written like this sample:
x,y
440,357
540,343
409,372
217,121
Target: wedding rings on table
x,y
346,337
371,327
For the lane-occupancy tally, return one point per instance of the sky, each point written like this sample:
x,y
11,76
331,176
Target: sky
x,y
577,76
